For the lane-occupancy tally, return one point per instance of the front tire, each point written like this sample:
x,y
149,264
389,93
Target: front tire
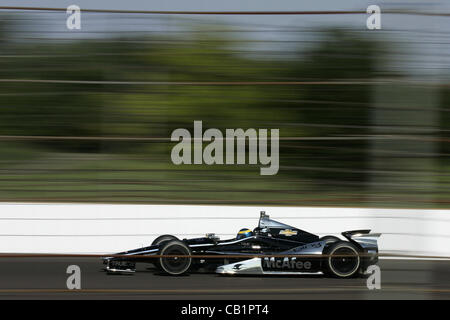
x,y
343,260
175,266
165,237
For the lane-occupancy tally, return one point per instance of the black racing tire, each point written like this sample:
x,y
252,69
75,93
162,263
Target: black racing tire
x,y
164,237
159,241
343,260
178,265
329,239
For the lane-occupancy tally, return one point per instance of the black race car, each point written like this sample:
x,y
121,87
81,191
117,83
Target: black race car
x,y
271,248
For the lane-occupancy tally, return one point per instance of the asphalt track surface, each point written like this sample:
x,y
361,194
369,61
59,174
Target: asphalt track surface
x,y
45,278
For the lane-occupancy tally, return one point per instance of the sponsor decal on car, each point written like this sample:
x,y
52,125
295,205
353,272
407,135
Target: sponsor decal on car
x,y
286,263
288,232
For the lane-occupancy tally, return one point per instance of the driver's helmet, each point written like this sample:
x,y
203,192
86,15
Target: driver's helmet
x,y
244,233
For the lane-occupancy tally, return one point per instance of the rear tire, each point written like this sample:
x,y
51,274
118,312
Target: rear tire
x,y
343,260
329,239
177,265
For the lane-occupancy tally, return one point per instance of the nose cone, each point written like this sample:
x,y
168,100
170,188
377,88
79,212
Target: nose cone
x,y
220,270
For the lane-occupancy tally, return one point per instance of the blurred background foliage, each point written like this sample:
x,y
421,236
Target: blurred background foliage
x,y
88,141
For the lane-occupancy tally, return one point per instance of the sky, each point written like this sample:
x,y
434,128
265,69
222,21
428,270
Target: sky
x,y
419,36
224,5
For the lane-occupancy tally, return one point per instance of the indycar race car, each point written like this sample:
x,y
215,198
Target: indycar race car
x,y
271,248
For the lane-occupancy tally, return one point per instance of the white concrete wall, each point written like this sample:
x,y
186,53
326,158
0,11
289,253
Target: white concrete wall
x,y
103,228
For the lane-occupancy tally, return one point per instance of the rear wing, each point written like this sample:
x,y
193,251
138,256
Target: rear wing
x,y
363,238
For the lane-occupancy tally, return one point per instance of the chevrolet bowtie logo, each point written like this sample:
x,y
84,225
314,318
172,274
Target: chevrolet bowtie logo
x,y
288,232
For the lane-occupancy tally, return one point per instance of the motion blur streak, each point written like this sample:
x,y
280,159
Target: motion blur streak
x,y
86,116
